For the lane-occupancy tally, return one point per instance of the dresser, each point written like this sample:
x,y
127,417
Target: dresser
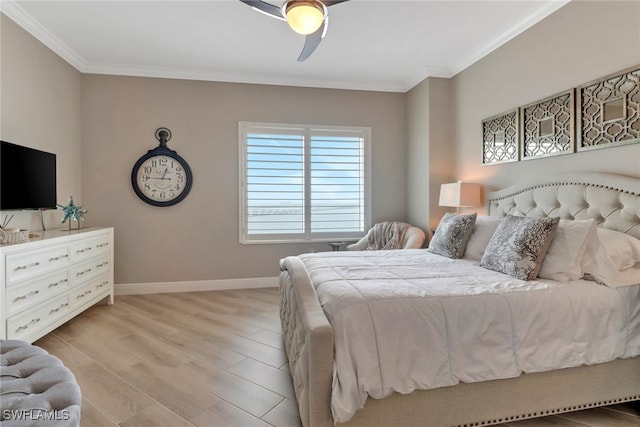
x,y
52,278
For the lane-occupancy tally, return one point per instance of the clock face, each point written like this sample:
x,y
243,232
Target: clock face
x,y
161,180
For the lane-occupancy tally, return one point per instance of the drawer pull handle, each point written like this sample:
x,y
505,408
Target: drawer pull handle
x,y
21,297
79,251
20,328
55,310
82,295
24,267
102,264
106,282
57,258
83,272
52,285
102,245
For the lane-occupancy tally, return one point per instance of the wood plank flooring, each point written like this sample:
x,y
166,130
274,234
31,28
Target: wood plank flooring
x,y
206,359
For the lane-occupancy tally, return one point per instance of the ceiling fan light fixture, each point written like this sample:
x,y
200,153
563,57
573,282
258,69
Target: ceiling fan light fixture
x,y
305,16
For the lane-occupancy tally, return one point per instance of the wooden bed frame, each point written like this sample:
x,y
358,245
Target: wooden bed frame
x,y
613,200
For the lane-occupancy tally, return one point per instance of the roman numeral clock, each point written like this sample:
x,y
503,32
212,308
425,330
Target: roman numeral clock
x,y
161,177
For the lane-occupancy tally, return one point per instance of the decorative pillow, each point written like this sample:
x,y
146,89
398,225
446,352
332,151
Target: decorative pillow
x,y
452,234
482,231
519,245
563,261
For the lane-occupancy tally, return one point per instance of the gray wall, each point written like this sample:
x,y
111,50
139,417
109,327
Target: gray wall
x,y
41,108
197,239
580,42
431,150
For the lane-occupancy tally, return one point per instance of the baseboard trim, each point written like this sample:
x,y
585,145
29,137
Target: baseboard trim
x,y
194,286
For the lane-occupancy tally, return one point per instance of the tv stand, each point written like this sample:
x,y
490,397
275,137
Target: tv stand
x,y
52,278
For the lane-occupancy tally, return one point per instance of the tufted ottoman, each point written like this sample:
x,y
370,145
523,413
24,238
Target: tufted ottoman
x,y
36,389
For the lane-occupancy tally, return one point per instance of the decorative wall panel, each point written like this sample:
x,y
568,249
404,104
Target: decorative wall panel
x,y
609,111
500,138
547,126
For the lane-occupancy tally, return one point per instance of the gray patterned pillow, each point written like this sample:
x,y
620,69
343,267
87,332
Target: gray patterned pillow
x,y
452,234
519,245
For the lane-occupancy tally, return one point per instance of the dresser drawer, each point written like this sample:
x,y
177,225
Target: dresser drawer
x,y
89,248
86,293
81,273
29,293
29,264
23,325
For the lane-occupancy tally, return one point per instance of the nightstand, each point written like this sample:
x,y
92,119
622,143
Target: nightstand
x,y
335,246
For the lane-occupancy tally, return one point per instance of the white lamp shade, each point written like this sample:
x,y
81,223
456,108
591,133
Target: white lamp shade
x,y
460,194
304,17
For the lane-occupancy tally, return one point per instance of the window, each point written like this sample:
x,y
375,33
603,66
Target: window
x,y
303,183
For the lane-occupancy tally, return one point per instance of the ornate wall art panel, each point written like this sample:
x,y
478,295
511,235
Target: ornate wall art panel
x,y
547,126
500,138
609,111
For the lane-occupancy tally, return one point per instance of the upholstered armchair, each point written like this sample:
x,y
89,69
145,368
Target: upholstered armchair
x,y
390,235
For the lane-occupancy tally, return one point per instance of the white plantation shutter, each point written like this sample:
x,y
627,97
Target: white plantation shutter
x,y
337,182
274,184
301,183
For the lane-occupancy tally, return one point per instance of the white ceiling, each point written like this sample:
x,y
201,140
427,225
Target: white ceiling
x,y
370,44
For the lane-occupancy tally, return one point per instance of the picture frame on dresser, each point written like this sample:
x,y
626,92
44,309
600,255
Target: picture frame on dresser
x,y
52,278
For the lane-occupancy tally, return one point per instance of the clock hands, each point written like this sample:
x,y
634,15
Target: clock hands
x,y
163,175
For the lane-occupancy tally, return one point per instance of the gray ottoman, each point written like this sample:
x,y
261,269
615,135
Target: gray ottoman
x,y
36,389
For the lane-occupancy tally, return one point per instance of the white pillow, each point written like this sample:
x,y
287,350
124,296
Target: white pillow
x,y
623,249
611,260
483,229
630,276
563,261
602,272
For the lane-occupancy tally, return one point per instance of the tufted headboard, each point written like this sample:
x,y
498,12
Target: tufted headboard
x,y
613,200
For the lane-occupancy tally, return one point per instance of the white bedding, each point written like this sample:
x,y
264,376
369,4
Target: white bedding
x,y
407,319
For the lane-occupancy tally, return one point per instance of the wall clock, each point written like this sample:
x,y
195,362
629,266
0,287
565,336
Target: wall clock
x,y
161,177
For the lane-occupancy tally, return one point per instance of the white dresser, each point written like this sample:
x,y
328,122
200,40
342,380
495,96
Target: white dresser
x,y
52,278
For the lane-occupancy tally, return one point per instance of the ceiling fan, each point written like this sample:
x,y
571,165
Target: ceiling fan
x,y
306,17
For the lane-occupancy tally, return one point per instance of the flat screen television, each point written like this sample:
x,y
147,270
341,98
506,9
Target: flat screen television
x,y
27,178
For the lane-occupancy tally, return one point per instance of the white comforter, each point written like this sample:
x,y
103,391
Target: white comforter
x,y
407,319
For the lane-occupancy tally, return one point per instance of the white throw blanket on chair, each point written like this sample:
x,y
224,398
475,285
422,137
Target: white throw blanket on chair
x,y
386,235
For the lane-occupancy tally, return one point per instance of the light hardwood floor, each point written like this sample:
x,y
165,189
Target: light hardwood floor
x,y
205,359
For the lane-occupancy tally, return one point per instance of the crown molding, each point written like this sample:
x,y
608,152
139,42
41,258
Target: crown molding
x,y
17,14
244,78
510,34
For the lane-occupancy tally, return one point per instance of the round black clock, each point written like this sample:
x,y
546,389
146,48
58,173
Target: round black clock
x,y
161,177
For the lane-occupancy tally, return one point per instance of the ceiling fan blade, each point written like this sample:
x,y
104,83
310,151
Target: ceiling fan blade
x,y
264,7
332,2
312,41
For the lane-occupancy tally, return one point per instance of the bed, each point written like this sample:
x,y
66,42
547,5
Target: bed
x,y
612,201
